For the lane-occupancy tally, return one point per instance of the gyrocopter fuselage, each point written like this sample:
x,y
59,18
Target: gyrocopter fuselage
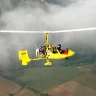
x,y
46,51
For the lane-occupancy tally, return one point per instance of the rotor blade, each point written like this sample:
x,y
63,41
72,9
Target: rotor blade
x,y
73,30
17,31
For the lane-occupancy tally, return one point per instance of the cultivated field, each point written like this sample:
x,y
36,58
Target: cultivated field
x,y
72,88
77,83
83,85
25,92
88,80
58,92
7,86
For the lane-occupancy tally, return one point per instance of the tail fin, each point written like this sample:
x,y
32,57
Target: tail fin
x,y
23,55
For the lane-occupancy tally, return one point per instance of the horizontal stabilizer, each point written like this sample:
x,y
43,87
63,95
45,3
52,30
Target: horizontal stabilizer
x,y
24,63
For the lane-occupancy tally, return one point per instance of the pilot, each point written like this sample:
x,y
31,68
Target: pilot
x,y
41,49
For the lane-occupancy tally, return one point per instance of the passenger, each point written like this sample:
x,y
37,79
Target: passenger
x,y
49,47
65,51
59,47
52,47
55,50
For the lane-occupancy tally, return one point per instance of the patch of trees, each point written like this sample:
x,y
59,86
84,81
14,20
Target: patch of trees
x,y
10,94
44,94
34,90
38,92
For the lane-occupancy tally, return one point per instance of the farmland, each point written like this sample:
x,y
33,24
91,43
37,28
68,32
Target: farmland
x,y
72,88
57,81
7,86
88,80
44,78
25,92
84,85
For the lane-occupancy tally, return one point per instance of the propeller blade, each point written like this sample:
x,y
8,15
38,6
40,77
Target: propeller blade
x,y
74,30
37,51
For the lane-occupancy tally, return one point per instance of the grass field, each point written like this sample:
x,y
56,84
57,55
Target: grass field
x,y
45,78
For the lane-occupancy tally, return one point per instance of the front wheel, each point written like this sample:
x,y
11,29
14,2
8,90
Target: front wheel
x,y
47,63
66,58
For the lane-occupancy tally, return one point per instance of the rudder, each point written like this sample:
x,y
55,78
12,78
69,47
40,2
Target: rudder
x,y
23,55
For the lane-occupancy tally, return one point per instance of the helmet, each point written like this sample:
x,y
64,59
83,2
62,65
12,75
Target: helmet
x,y
59,45
52,45
41,46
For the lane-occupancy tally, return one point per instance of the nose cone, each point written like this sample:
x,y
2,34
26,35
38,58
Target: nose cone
x,y
71,53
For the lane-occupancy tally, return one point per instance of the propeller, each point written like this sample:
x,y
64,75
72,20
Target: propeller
x,y
37,51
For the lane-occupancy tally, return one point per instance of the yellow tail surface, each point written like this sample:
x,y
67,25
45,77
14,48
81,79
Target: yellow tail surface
x,y
23,55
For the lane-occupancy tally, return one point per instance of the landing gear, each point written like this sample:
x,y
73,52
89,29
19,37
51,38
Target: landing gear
x,y
66,58
48,63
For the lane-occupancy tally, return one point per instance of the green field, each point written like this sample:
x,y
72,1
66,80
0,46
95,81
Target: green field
x,y
44,78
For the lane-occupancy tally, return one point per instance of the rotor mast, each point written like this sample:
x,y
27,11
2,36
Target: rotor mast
x,y
46,38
